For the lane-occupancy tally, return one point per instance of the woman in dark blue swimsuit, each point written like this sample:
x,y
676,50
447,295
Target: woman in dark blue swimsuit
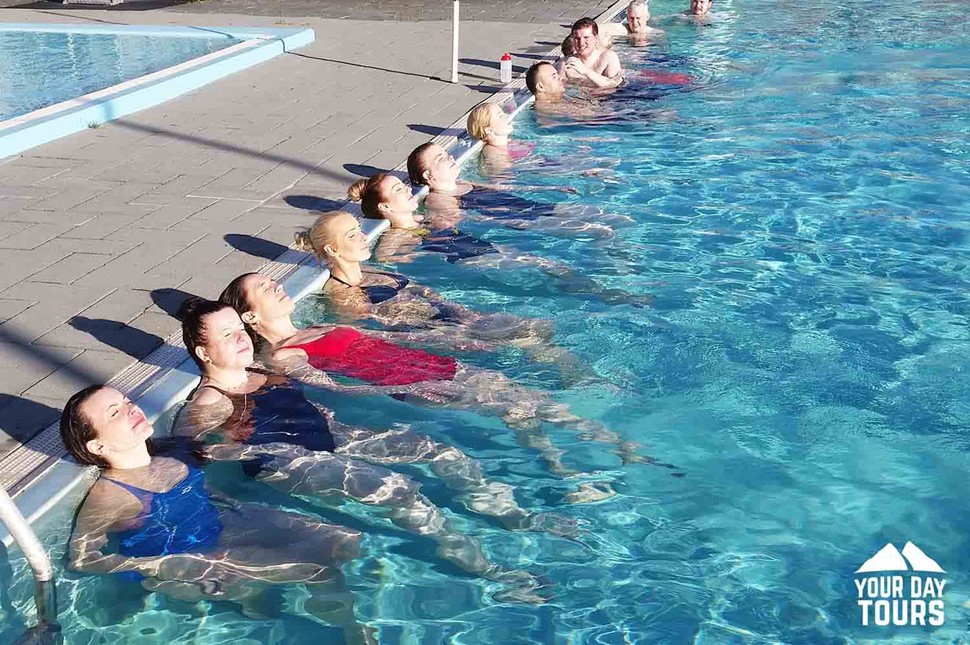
x,y
384,196
396,302
453,198
284,440
151,519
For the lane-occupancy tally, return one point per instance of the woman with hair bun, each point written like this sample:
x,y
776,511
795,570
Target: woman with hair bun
x,y
305,354
289,442
384,196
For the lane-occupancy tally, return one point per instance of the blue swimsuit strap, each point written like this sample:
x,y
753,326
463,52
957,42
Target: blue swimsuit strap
x,y
144,495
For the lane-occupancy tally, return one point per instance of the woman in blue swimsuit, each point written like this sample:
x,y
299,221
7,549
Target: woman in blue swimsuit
x,y
151,518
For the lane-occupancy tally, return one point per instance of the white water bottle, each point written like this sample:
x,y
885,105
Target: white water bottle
x,y
505,68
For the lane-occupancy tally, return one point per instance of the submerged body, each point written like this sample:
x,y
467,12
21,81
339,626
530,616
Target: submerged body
x,y
171,533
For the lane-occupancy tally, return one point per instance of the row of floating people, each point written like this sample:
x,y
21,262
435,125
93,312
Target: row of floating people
x,y
152,518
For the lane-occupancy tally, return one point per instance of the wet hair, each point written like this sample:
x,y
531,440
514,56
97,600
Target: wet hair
x,y
314,239
77,429
416,165
532,76
567,46
192,313
368,193
234,295
583,23
478,121
637,4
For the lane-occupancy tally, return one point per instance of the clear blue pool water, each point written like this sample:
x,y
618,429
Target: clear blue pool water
x,y
800,219
43,68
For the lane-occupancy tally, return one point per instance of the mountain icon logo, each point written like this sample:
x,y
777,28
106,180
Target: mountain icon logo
x,y
912,558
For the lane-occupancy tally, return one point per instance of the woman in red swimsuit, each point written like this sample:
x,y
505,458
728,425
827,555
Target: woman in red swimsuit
x,y
265,309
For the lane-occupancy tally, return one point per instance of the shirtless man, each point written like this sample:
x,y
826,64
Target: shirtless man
x,y
699,7
549,87
593,64
636,28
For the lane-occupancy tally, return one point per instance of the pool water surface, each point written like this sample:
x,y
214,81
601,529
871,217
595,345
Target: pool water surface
x,y
42,68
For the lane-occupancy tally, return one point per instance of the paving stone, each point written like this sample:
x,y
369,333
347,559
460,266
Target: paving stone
x,y
34,236
71,268
102,226
121,306
10,228
47,315
88,368
10,308
82,332
158,324
25,365
17,265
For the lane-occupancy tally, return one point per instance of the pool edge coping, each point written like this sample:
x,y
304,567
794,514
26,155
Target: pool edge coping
x,y
168,372
149,90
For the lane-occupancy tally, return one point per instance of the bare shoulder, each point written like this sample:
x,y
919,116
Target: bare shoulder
x,y
287,356
207,396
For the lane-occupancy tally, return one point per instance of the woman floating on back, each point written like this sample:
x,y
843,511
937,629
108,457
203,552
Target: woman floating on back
x,y
451,198
287,441
384,196
395,301
174,536
266,309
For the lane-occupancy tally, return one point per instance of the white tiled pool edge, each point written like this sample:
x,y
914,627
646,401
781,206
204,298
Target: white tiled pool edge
x,y
39,481
47,124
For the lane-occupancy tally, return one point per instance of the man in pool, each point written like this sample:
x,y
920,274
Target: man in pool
x,y
592,65
549,88
635,28
699,8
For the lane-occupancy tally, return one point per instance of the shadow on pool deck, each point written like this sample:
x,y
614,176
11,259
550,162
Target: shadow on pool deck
x,y
169,300
136,343
229,147
313,203
255,246
22,417
434,130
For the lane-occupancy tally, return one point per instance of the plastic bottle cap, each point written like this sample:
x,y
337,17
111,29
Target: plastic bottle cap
x,y
506,56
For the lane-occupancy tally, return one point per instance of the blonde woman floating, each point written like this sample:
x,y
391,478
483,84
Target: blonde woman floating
x,y
394,301
490,124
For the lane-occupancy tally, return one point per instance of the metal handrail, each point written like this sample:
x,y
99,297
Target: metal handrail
x,y
45,593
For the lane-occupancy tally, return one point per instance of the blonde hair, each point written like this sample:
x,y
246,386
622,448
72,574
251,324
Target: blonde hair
x,y
478,121
318,236
368,192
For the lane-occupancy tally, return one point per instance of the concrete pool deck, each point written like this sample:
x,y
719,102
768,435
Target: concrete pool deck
x,y
103,232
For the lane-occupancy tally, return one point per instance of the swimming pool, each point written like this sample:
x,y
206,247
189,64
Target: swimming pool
x,y
798,222
58,79
42,68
